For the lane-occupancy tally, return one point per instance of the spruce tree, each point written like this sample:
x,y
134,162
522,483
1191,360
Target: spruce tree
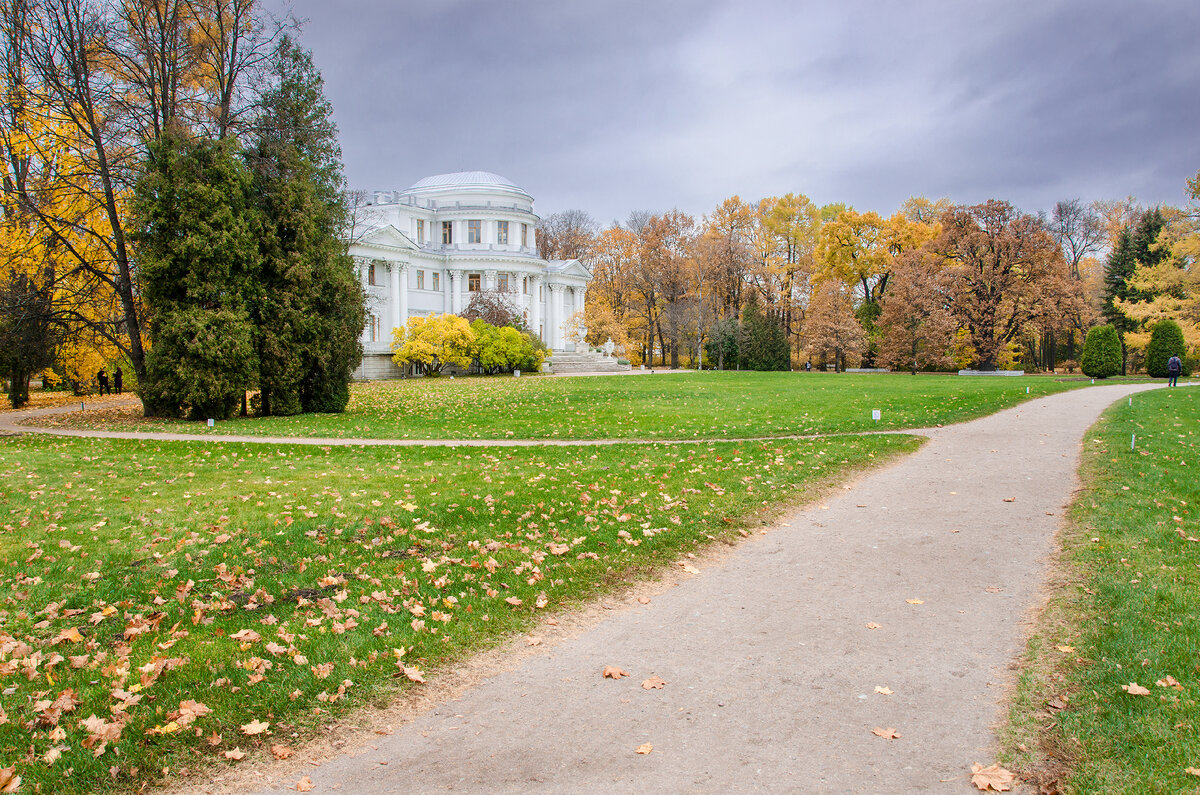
x,y
308,306
1117,271
197,257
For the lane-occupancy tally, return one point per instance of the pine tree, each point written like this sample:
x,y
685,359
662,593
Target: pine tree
x,y
1120,266
308,306
197,256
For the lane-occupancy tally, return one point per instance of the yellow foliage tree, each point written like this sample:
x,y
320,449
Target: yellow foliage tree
x,y
1173,283
434,343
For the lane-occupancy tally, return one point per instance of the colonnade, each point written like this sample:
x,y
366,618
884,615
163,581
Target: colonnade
x,y
561,300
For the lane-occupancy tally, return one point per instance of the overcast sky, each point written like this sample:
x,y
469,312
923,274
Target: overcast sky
x,y
619,105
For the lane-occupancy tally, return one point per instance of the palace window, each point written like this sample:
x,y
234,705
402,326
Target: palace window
x,y
502,283
502,232
474,231
525,285
420,280
371,274
447,233
373,328
420,231
437,280
473,284
524,234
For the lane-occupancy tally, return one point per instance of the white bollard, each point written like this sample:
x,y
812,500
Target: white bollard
x,y
211,422
516,373
876,414
1133,441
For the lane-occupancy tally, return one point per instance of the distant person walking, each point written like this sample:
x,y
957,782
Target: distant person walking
x,y
102,381
117,376
1174,368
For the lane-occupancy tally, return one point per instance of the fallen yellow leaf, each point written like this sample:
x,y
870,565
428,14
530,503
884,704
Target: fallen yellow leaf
x,y
653,683
1134,689
612,672
992,777
645,748
882,690
887,734
304,785
255,727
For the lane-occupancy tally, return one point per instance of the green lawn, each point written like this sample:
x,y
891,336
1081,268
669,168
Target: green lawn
x,y
1126,614
161,602
658,406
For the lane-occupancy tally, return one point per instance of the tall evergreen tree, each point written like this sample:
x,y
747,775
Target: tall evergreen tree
x,y
762,342
1134,248
197,255
308,306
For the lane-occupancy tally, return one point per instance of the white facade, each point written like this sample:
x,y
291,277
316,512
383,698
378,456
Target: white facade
x,y
427,249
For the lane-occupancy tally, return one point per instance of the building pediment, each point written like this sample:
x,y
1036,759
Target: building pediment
x,y
568,267
386,238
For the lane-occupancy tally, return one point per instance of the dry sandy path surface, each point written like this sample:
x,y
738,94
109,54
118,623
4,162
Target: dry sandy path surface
x,y
770,666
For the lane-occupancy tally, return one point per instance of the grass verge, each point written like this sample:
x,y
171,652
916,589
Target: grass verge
x,y
660,406
1109,697
165,607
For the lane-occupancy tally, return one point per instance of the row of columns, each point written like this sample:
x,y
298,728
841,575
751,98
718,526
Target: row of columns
x,y
559,304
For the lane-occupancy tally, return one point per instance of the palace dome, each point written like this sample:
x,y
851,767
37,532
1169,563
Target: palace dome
x,y
466,179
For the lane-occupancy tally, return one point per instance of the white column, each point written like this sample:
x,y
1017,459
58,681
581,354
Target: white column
x,y
403,268
553,315
535,305
458,291
446,292
395,296
363,264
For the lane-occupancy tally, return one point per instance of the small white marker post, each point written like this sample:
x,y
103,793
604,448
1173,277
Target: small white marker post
x,y
1026,390
1131,402
81,405
211,422
1093,380
876,414
1133,441
516,373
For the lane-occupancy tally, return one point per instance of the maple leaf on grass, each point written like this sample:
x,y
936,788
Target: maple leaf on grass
x,y
235,754
612,672
255,727
887,734
993,777
1134,689
9,780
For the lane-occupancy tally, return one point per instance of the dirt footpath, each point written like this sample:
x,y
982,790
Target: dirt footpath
x,y
916,580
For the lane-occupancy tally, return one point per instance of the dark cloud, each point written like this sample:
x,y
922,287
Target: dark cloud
x,y
611,106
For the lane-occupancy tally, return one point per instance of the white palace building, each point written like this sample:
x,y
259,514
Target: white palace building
x,y
427,249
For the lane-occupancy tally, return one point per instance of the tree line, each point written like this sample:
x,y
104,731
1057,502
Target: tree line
x,y
172,200
933,286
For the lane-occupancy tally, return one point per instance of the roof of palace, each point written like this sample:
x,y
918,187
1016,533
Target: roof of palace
x,y
460,179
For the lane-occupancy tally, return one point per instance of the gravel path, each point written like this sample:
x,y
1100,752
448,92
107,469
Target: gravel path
x,y
770,664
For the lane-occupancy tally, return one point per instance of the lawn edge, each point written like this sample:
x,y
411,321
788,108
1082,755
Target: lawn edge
x,y
357,728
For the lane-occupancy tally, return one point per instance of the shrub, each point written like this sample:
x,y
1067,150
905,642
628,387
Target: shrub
x,y
1101,352
1165,341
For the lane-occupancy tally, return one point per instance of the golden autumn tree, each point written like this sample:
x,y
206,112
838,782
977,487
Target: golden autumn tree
x,y
1169,287
608,313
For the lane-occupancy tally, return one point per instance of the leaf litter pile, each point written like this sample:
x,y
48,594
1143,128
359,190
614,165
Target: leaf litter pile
x,y
165,606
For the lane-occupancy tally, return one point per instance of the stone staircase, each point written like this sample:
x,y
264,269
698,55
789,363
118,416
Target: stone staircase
x,y
561,363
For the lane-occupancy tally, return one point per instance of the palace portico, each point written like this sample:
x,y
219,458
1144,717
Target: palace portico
x,y
428,249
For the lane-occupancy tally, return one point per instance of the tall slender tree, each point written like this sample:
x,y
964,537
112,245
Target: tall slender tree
x,y
308,307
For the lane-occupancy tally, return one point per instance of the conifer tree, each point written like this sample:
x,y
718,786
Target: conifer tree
x,y
1101,352
1165,341
197,255
308,306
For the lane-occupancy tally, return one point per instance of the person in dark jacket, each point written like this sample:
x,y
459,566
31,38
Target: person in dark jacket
x,y
117,376
1174,368
102,381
